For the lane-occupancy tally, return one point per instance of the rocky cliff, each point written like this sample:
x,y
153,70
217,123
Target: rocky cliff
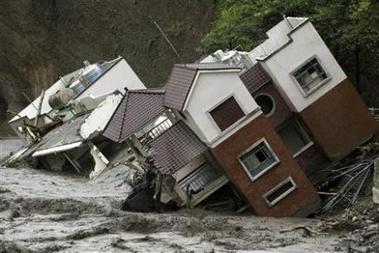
x,y
43,39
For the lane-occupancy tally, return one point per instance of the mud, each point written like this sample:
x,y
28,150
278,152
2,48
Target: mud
x,y
45,212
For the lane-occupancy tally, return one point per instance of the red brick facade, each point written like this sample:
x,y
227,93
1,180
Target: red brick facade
x,y
339,121
312,159
226,153
281,111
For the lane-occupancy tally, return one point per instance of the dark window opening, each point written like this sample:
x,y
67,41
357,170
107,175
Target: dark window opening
x,y
261,156
266,103
280,192
227,113
294,136
310,75
258,159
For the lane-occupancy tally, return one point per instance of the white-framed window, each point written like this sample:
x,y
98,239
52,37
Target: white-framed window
x,y
310,75
280,191
258,159
294,137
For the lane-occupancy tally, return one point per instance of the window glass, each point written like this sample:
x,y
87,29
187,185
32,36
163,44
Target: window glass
x,y
310,75
227,113
258,159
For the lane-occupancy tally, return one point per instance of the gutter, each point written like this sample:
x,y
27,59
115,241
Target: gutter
x,y
57,149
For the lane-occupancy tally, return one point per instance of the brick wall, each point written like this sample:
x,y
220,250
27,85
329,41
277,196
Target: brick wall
x,y
312,160
227,152
339,121
281,111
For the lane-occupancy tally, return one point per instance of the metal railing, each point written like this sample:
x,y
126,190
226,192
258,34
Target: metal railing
x,y
155,132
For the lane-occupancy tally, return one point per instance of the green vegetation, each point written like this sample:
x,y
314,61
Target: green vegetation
x,y
349,27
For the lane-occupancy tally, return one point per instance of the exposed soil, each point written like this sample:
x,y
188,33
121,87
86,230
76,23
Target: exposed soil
x,y
45,212
42,40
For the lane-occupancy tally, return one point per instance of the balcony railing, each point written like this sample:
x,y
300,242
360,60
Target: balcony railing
x,y
154,132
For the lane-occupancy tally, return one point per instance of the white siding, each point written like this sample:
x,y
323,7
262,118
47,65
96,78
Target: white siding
x,y
306,44
31,110
209,89
118,77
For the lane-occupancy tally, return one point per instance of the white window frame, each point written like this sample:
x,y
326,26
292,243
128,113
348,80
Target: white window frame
x,y
254,178
285,194
319,85
209,115
301,130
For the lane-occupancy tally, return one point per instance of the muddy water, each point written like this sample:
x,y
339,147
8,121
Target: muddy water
x,y
45,212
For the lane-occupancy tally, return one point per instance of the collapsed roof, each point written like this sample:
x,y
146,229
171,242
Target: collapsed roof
x,y
137,108
176,147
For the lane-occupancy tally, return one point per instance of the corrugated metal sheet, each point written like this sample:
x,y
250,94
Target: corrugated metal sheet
x,y
181,79
175,148
255,77
137,108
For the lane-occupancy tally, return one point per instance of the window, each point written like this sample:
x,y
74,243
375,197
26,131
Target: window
x,y
200,178
280,191
294,137
227,113
258,160
266,103
310,75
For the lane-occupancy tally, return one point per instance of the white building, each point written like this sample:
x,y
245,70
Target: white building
x,y
93,80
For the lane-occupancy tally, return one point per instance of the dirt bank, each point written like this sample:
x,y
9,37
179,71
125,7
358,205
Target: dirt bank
x,y
42,40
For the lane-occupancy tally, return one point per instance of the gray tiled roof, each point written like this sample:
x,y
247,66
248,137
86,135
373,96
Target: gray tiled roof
x,y
207,66
175,148
181,79
255,77
137,108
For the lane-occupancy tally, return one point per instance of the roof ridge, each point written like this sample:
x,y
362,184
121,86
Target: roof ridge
x,y
149,90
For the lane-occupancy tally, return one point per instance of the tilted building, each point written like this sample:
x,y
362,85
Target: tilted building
x,y
264,120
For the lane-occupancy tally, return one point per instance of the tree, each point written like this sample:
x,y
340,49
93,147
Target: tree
x,y
349,27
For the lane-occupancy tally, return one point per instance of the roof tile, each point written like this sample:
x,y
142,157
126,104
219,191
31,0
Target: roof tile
x,y
137,108
175,148
255,77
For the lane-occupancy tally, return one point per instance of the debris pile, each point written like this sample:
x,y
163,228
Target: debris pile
x,y
349,182
357,226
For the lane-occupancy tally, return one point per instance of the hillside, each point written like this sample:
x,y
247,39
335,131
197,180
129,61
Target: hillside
x,y
41,40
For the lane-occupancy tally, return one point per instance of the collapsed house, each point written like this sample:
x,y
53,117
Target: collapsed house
x,y
264,122
62,126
